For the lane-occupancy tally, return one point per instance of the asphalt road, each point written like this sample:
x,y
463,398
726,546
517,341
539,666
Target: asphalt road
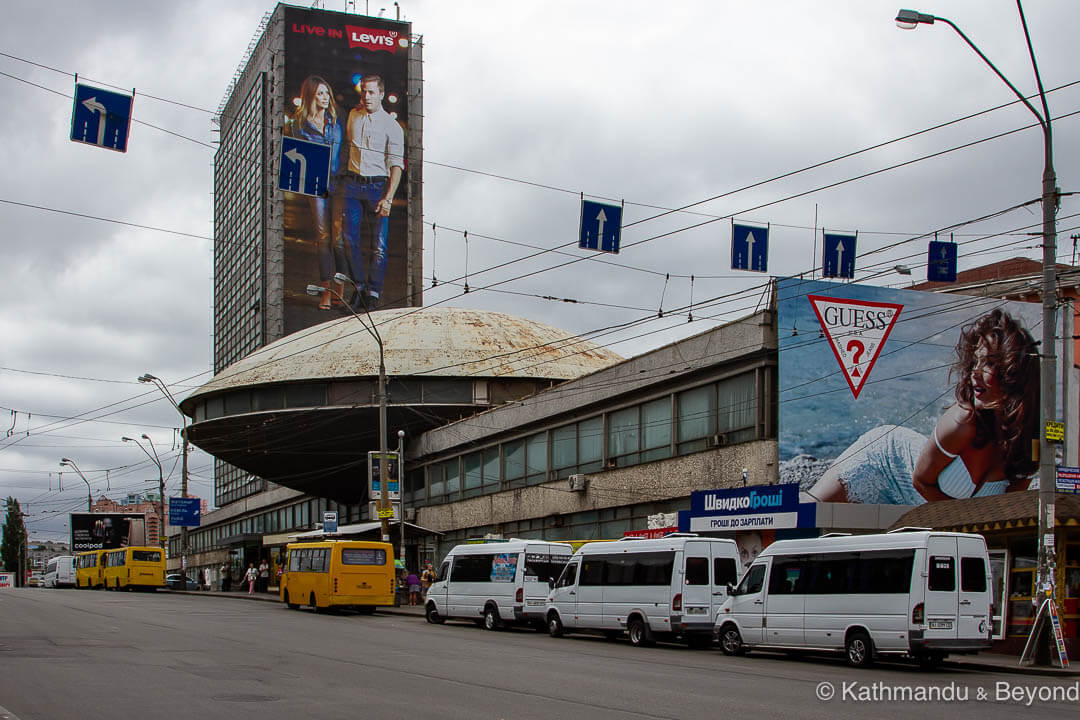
x,y
79,654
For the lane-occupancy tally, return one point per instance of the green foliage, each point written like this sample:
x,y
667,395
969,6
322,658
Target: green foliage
x,y
14,536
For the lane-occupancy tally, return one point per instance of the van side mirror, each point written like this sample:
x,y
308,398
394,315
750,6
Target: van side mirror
x,y
731,589
551,583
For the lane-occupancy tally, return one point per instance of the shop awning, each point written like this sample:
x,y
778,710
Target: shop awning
x,y
354,531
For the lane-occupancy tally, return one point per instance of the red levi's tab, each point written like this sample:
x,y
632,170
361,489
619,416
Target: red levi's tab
x,y
372,38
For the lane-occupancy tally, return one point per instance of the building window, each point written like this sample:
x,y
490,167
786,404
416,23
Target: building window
x,y
536,459
514,463
624,436
697,418
474,478
737,408
656,429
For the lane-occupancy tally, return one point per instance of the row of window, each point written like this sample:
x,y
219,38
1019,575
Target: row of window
x,y
689,421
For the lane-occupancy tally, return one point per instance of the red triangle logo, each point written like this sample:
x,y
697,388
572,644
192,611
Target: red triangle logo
x,y
857,330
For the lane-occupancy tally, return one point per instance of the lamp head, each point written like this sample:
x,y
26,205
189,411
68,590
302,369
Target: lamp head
x,y
342,278
902,269
127,439
146,377
315,289
910,19
145,436
64,461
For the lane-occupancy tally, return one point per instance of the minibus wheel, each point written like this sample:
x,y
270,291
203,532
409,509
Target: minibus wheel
x,y
290,605
491,618
432,614
554,625
639,633
860,653
731,641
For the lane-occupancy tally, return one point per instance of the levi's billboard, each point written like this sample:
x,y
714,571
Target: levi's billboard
x,y
346,86
902,397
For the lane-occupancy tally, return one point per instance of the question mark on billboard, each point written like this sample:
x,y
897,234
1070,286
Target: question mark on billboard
x,y
859,349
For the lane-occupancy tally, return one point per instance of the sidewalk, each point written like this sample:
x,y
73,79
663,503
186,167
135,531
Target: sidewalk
x,y
984,662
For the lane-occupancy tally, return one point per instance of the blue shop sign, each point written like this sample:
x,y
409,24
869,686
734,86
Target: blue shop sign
x,y
762,507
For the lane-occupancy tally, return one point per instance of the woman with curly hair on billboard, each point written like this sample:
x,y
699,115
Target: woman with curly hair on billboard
x,y
316,120
980,446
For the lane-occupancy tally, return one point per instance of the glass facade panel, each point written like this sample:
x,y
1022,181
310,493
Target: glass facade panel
x,y
590,444
536,459
564,447
737,407
697,417
656,429
623,436
514,463
491,470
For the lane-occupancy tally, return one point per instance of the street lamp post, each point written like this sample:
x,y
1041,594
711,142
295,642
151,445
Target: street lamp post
x,y
89,496
384,493
910,19
148,378
161,483
401,488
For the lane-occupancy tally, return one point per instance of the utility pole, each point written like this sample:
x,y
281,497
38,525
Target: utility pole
x,y
401,488
148,378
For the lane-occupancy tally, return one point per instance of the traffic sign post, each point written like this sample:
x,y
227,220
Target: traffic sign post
x,y
838,256
749,248
101,117
305,167
941,262
185,512
329,521
601,226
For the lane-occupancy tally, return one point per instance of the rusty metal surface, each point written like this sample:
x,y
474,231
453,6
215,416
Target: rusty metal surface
x,y
439,342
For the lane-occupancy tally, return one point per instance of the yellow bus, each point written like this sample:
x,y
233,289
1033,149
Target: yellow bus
x,y
338,573
134,568
89,569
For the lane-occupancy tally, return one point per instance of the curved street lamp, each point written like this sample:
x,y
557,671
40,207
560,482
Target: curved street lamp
x,y
161,483
148,378
73,466
908,20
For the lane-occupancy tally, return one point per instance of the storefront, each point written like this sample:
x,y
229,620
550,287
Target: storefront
x,y
1008,522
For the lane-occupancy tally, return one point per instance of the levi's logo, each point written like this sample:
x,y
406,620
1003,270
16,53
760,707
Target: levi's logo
x,y
372,39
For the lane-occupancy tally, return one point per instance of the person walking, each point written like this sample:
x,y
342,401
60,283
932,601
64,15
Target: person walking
x,y
226,579
426,578
264,576
251,576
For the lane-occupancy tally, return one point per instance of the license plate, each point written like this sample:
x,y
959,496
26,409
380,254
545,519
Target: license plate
x,y
697,611
941,624
534,603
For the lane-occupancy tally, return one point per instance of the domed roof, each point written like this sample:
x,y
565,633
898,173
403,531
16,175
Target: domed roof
x,y
436,341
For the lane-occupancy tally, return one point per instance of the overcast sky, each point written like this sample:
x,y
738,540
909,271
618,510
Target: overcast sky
x,y
658,104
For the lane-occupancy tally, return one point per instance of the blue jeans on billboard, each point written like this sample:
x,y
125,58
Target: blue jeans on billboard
x,y
326,217
366,236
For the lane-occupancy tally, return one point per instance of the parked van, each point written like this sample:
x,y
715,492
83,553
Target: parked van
x,y
918,593
60,572
496,583
670,588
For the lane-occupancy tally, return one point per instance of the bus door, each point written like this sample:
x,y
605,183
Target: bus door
x,y
697,591
748,603
564,594
941,588
437,591
785,610
973,617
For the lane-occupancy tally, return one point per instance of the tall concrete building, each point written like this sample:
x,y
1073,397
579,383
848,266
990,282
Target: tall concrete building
x,y
270,244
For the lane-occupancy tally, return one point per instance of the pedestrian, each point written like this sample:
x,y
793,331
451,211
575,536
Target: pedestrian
x,y
427,577
226,581
414,588
251,576
202,579
264,576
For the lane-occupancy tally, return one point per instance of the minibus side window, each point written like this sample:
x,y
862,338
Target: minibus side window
x,y
785,577
697,571
294,561
972,574
444,570
724,571
568,577
942,574
753,581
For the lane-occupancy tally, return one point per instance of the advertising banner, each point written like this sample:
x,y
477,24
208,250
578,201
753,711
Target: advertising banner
x,y
7,580
105,531
763,507
346,86
504,567
902,397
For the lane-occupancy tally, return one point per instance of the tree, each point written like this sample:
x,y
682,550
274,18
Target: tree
x,y
14,540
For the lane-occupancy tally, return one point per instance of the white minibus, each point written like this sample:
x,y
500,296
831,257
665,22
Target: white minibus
x,y
60,572
667,588
909,592
496,583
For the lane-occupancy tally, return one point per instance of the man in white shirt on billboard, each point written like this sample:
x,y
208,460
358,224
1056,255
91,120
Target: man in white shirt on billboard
x,y
375,144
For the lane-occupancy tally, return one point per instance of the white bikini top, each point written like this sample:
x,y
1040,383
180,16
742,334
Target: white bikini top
x,y
955,480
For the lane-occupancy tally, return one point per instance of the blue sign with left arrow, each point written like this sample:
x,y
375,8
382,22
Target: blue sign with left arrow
x,y
838,256
749,248
305,167
601,226
101,117
184,511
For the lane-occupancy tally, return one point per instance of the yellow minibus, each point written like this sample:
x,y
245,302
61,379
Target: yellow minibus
x,y
339,573
89,569
135,568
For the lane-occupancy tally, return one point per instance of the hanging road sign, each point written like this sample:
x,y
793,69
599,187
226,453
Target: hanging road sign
x,y
838,256
857,330
184,512
329,521
305,167
749,248
601,226
101,117
941,262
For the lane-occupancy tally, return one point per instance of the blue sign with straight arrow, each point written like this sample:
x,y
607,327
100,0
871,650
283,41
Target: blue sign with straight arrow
x,y
941,262
101,117
749,248
838,256
601,226
305,167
